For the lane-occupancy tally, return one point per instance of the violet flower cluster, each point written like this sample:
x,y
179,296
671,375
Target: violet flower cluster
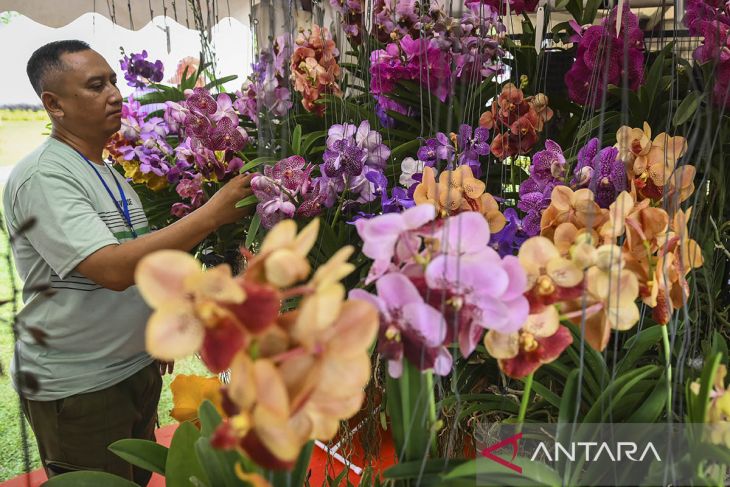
x,y
209,137
601,171
711,20
353,164
139,72
351,18
438,282
500,6
351,174
268,89
602,55
547,171
457,149
443,50
285,190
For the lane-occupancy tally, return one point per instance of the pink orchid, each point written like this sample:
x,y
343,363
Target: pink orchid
x,y
408,326
387,236
486,291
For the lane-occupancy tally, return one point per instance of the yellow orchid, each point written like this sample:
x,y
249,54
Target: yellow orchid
x,y
189,392
540,340
550,277
616,289
576,207
718,409
282,260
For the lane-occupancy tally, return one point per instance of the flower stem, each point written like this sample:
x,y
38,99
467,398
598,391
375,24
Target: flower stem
x,y
431,411
524,401
668,360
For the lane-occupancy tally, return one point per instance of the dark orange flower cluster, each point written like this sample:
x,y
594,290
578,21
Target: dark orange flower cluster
x,y
516,120
314,67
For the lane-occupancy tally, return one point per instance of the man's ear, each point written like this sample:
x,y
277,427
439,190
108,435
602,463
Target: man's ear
x,y
52,104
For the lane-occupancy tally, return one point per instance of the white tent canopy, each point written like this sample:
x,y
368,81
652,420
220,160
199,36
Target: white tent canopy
x,y
132,14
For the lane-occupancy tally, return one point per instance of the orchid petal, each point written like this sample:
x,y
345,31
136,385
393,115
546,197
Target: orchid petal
x,y
161,275
174,332
428,322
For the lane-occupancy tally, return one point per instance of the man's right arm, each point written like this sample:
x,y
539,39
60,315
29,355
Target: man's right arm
x,y
113,266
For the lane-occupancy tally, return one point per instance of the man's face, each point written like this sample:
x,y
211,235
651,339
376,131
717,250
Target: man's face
x,y
86,93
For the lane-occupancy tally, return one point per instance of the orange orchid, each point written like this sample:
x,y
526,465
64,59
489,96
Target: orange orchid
x,y
279,402
189,392
540,340
632,143
190,307
458,190
293,379
654,170
576,207
677,256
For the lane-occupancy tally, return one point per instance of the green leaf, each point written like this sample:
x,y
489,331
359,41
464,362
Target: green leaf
x,y
607,122
296,140
536,473
637,345
654,77
247,201
702,400
220,81
546,394
411,470
257,162
610,399
653,406
89,479
299,473
182,461
589,13
209,418
403,150
218,464
687,108
145,454
253,230
567,411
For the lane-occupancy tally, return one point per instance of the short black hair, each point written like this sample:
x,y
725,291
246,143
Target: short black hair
x,y
48,58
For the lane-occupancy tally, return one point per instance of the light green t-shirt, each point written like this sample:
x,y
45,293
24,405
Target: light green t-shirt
x,y
94,337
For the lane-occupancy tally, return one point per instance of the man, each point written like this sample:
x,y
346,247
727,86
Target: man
x,y
96,383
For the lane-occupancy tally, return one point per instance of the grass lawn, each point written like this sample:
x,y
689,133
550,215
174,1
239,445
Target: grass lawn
x,y
17,138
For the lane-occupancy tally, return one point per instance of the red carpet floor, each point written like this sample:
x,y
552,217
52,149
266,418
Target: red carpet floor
x,y
320,466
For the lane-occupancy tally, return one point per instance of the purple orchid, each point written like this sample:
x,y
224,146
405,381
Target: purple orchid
x,y
268,89
546,172
139,72
226,136
409,327
508,240
601,171
600,59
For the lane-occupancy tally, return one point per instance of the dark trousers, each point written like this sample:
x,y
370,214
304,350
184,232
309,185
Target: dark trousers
x,y
73,433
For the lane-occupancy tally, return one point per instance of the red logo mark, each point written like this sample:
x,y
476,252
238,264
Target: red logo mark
x,y
512,440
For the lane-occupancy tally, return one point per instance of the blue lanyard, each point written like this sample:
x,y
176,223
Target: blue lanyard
x,y
124,209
